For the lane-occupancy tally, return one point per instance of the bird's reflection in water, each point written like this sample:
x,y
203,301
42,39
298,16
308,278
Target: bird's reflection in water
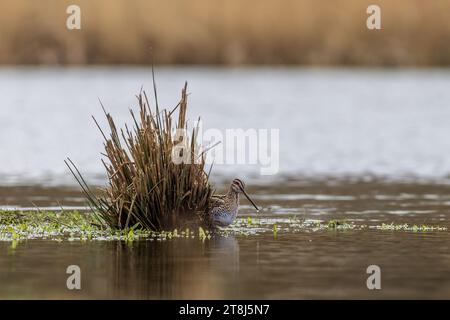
x,y
177,268
224,252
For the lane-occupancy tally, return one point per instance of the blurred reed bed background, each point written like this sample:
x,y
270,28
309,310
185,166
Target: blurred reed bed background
x,y
414,32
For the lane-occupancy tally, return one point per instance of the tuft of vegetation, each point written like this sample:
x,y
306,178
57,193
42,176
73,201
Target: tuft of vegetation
x,y
292,32
18,226
145,186
414,228
339,225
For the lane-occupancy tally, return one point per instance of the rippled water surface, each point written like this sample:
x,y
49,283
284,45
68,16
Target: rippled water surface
x,y
332,122
369,148
293,263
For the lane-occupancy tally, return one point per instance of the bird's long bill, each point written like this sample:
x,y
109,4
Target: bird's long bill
x,y
245,193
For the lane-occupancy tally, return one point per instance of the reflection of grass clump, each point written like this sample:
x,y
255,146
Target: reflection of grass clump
x,y
145,187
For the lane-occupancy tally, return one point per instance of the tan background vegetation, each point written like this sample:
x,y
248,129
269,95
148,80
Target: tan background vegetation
x,y
328,32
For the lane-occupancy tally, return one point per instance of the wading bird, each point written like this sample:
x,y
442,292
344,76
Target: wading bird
x,y
224,208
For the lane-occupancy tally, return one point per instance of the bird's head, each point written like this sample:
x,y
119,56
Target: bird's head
x,y
238,186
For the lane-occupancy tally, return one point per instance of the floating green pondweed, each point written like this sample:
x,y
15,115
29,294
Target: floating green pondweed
x,y
339,225
84,226
203,235
407,227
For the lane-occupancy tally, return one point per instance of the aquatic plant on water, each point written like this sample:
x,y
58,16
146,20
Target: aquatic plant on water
x,y
17,226
145,186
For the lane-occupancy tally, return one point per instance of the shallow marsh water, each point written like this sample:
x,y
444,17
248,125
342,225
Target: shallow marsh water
x,y
369,147
253,261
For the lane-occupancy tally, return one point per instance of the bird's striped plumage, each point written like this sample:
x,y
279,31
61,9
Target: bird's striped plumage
x,y
224,208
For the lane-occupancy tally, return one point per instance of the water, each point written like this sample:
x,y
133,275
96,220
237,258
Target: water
x,y
332,122
367,146
304,263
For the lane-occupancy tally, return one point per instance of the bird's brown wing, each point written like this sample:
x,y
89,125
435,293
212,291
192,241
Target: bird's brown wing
x,y
217,200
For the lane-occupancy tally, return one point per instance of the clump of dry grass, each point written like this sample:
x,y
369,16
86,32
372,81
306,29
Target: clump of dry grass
x,y
145,187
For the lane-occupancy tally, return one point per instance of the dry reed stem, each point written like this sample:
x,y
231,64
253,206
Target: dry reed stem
x,y
145,187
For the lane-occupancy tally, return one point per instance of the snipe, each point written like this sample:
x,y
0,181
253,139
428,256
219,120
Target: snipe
x,y
224,208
